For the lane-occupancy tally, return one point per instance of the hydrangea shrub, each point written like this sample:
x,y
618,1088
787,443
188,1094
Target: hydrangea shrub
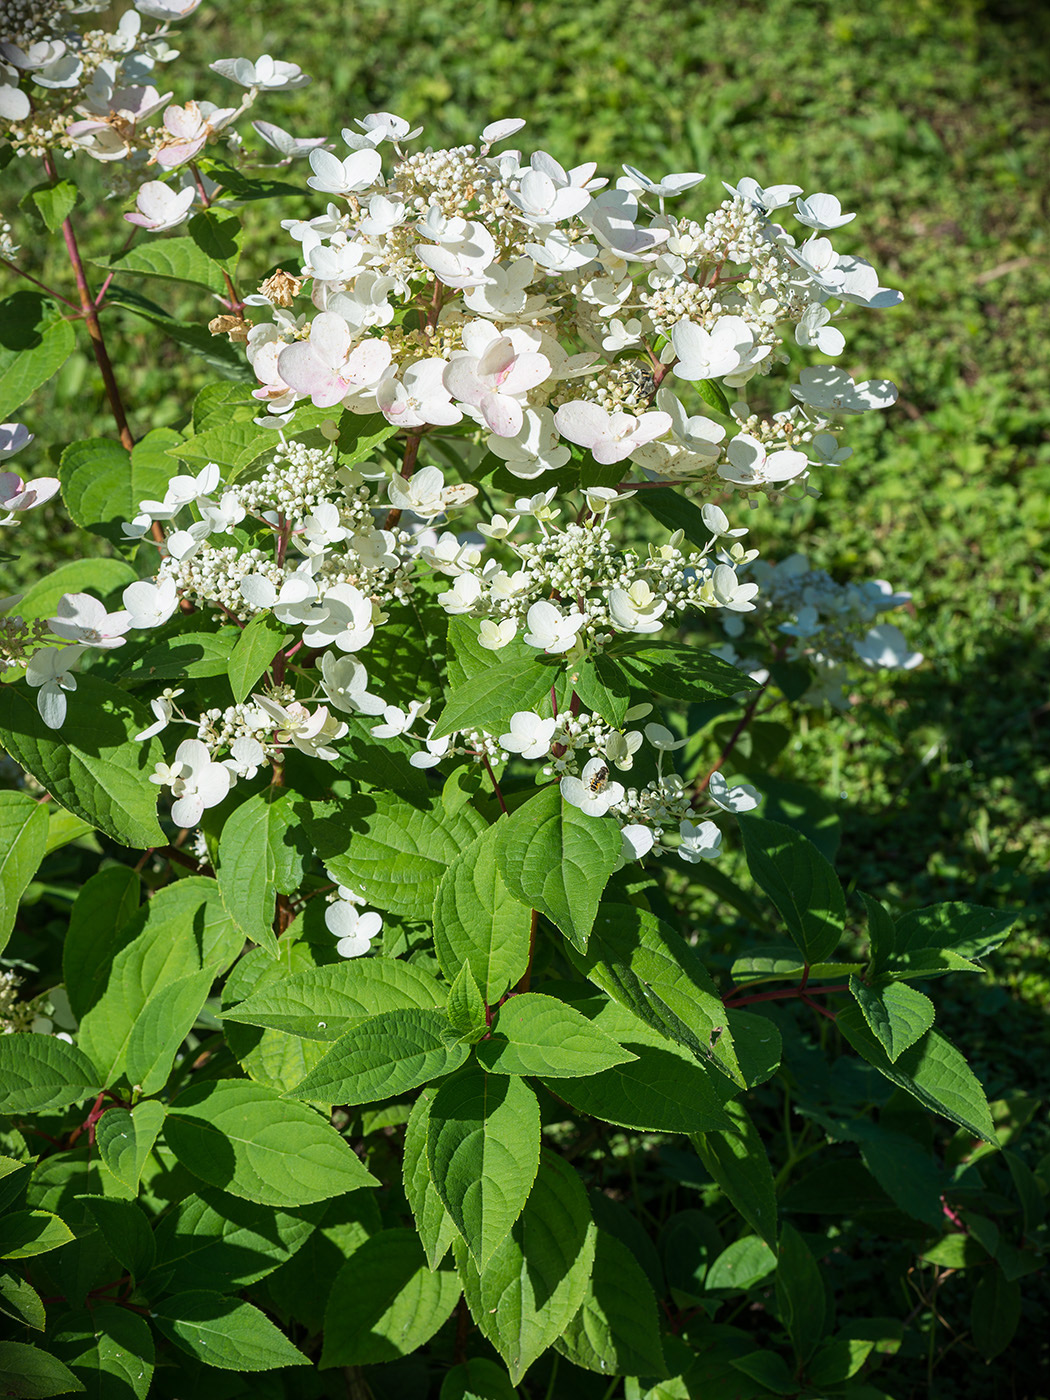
x,y
413,699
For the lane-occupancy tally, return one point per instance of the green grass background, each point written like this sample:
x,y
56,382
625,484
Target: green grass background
x,y
931,120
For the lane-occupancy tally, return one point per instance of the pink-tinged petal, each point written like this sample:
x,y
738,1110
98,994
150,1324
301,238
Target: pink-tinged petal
x,y
502,414
302,370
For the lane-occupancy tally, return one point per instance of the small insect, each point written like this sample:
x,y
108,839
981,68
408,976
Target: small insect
x,y
598,780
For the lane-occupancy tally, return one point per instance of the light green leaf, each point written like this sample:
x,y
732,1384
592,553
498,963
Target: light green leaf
x,y
489,698
483,1146
162,1026
799,881
385,1302
175,259
55,202
245,1139
40,1073
261,852
536,1034
157,953
63,828
26,1233
32,1374
256,647
741,1265
434,1225
664,1089
108,1348
224,1332
617,1329
736,1157
931,1070
466,1006
537,1279
897,1014
393,852
92,766
99,576
125,1139
556,859
478,921
647,967
231,445
23,841
35,342
800,1294
382,1057
322,1002
103,484
126,1230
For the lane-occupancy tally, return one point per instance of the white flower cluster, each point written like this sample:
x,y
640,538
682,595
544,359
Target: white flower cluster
x,y
47,1014
460,285
826,624
17,496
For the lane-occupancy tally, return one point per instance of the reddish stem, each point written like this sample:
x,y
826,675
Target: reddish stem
x,y
732,741
5,262
733,1000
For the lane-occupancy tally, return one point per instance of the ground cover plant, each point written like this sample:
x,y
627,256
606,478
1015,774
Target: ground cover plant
x,y
461,1024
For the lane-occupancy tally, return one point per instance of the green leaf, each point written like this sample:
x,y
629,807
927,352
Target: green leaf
x,y
836,1361
382,1057
385,1302
647,967
103,484
536,1034
675,512
489,699
157,952
881,935
261,852
186,656
769,1369
246,187
55,202
433,1222
224,1332
757,1044
904,1169
713,395
232,445
322,1002
99,576
40,1074
800,1294
218,236
175,259
478,922
126,1230
164,1023
26,1233
255,649
602,687
737,1159
466,1006
969,930
125,1139
664,1089
21,1302
556,859
93,766
32,1374
215,350
996,1312
23,841
679,672
229,1241
34,344
537,1279
897,1014
108,1348
616,1330
392,852
931,1070
741,1265
477,1379
799,881
245,1139
483,1147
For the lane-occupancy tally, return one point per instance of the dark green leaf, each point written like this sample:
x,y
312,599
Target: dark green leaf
x,y
31,1374
800,1293
23,841
218,236
35,342
26,1233
256,647
897,1014
261,853
602,687
433,1222
996,1312
103,484
175,259
799,881
679,672
616,1330
224,1332
741,1265
126,1230
736,1157
110,1349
